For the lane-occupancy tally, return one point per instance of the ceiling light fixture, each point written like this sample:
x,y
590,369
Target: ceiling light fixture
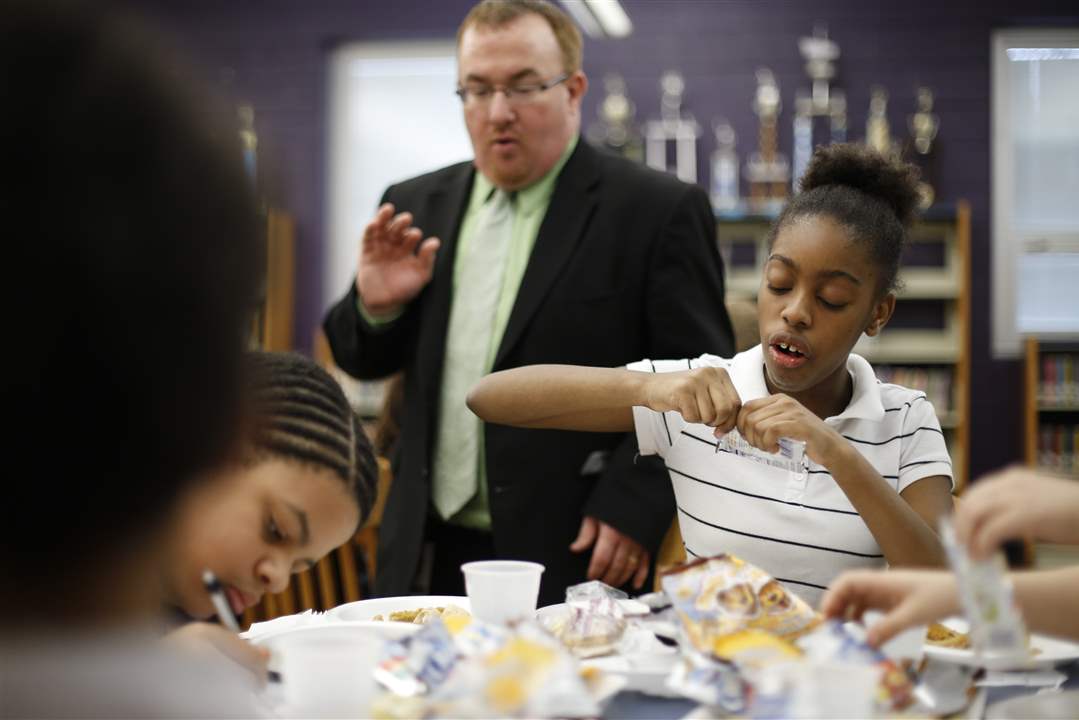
x,y
600,18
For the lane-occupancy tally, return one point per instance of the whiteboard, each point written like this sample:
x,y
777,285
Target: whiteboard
x,y
392,115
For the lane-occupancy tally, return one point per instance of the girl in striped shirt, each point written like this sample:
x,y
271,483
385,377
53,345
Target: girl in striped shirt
x,y
877,475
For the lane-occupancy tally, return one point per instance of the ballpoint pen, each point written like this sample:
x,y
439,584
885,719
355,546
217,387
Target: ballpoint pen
x,y
224,610
221,603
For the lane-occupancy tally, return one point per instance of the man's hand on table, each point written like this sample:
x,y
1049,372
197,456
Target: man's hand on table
x,y
615,557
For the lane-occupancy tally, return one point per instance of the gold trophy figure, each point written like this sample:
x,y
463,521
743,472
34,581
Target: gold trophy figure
x,y
767,170
615,129
878,134
923,126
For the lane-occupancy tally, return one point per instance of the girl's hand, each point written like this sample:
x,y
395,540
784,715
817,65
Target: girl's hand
x,y
1017,503
703,395
907,597
200,637
764,420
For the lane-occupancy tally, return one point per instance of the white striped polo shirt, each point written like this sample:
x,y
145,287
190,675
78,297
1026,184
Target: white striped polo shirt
x,y
798,527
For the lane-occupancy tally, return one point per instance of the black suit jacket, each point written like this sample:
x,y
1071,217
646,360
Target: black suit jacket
x,y
625,267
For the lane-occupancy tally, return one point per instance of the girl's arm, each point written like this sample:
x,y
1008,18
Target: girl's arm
x,y
570,397
915,597
902,524
1047,599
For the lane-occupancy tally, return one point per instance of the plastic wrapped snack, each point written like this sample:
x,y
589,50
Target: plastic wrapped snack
x,y
997,630
791,455
417,664
717,596
710,681
529,675
591,623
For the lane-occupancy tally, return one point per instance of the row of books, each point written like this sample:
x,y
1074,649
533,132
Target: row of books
x,y
935,382
1059,381
1058,448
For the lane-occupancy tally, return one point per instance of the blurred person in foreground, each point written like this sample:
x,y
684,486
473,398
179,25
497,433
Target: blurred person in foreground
x,y
539,250
132,254
1014,503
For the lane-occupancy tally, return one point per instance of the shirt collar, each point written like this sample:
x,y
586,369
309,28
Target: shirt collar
x,y
747,376
531,199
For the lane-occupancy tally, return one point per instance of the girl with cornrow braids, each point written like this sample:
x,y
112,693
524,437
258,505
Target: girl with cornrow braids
x,y
878,475
304,481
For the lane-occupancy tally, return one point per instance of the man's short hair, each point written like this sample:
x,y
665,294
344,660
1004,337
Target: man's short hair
x,y
498,13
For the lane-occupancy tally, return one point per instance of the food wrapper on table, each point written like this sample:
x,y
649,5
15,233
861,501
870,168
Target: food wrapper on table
x,y
721,595
834,643
467,668
592,622
530,675
419,663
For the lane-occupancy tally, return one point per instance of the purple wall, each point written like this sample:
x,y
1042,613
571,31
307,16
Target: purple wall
x,y
276,54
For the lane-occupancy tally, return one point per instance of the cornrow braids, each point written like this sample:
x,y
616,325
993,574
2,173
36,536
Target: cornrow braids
x,y
302,414
873,197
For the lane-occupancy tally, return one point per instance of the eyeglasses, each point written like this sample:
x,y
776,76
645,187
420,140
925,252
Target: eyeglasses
x,y
476,94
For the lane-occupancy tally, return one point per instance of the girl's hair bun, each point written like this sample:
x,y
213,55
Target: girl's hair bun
x,y
892,182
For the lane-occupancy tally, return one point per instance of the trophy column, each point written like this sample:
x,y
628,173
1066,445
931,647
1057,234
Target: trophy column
x,y
673,127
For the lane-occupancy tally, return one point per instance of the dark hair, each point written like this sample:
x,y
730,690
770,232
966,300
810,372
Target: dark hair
x,y
499,13
873,197
129,290
302,414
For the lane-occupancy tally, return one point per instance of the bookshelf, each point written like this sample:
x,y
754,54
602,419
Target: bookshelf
x,y
926,346
1052,406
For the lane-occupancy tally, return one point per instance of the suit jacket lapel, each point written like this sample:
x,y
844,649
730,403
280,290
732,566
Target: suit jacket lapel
x,y
571,206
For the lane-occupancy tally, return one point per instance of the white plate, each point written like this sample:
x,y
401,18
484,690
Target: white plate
x,y
386,630
1045,652
368,609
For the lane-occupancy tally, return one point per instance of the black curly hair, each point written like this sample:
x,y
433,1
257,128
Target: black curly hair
x,y
875,198
302,414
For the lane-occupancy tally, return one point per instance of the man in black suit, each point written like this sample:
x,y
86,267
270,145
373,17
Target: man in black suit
x,y
589,259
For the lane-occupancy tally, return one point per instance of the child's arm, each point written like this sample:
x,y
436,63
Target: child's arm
x,y
570,397
912,597
902,524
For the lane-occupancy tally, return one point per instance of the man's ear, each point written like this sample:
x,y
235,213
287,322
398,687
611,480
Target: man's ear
x,y
882,313
577,83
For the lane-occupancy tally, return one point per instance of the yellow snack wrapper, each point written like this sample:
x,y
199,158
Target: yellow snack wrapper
x,y
722,595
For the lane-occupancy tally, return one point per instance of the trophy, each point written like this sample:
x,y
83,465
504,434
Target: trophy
x,y
672,126
767,170
249,142
724,168
920,146
821,113
615,129
878,133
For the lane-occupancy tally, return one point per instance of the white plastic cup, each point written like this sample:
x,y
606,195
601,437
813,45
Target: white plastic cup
x,y
329,672
500,591
906,644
